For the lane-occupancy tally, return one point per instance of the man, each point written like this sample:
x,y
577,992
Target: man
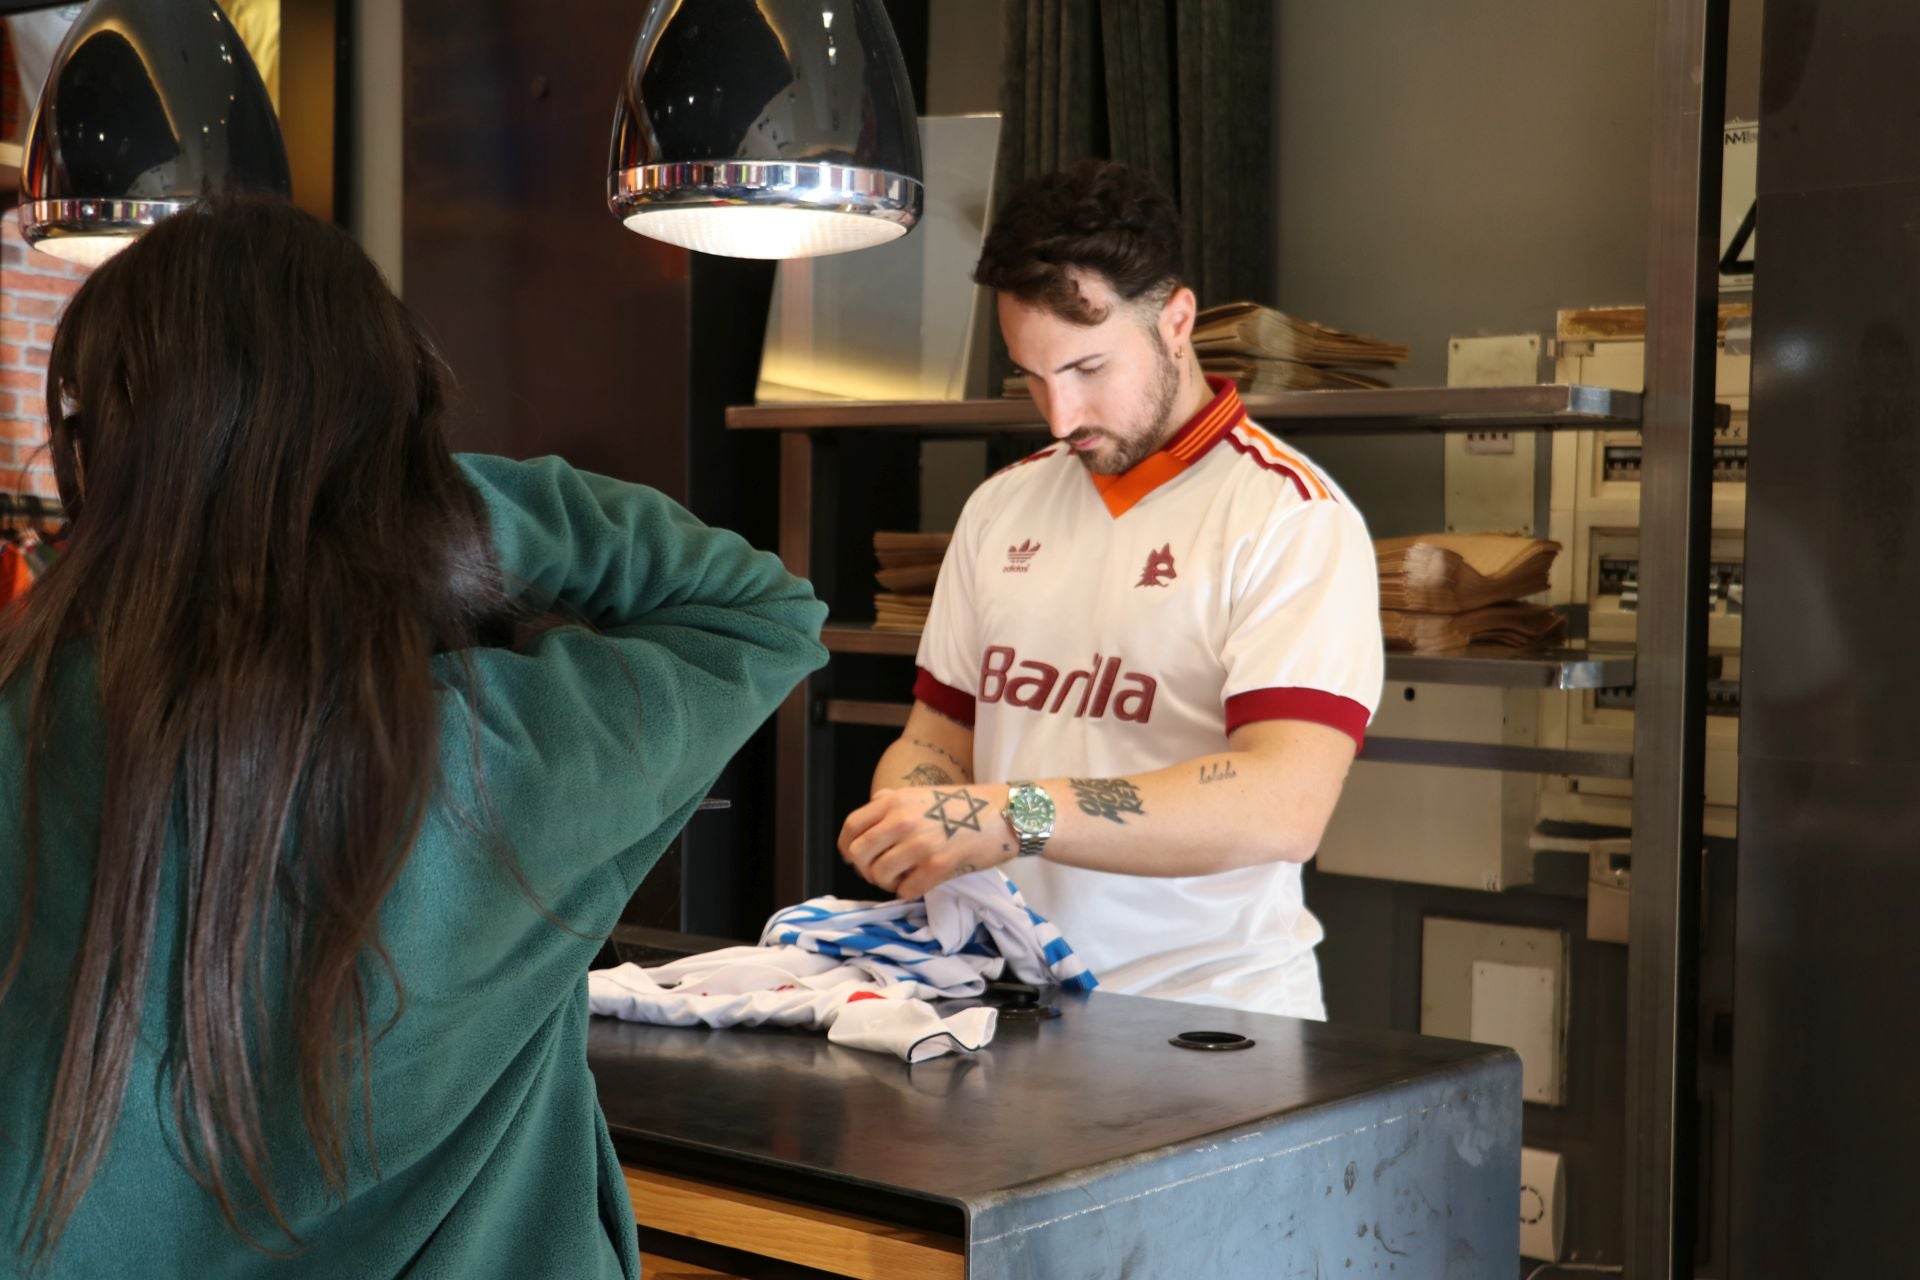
x,y
1154,646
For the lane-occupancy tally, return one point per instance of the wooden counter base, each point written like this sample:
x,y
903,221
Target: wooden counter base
x,y
655,1267
857,1248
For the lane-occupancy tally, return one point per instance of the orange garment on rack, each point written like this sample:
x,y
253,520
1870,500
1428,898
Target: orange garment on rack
x,y
15,575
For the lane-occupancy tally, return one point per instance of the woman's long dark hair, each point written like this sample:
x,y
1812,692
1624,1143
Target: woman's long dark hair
x,y
269,543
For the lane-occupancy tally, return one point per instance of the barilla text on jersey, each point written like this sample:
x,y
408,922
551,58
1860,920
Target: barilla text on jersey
x,y
1038,686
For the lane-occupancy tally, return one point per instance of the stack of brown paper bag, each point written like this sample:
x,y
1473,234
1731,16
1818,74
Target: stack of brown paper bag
x,y
1446,591
1261,350
909,565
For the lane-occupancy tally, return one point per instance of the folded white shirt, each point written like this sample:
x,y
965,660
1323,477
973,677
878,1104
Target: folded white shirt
x,y
910,1029
861,971
787,987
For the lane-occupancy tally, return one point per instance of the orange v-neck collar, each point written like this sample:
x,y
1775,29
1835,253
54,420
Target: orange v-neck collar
x,y
1202,431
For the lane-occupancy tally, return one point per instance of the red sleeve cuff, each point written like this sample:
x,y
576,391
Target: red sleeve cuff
x,y
1317,705
944,698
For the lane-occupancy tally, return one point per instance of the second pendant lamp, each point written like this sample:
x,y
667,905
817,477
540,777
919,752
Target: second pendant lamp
x,y
767,129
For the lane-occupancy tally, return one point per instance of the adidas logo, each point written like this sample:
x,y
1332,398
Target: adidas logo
x,y
1017,557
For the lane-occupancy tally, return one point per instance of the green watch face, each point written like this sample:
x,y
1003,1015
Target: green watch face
x,y
1030,810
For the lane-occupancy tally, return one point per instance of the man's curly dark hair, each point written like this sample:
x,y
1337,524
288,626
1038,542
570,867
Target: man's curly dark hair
x,y
1098,216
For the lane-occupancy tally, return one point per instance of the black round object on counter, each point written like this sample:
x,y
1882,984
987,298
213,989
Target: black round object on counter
x,y
1211,1041
1019,1002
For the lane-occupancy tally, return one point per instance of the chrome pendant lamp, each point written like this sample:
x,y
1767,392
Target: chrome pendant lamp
x,y
149,106
767,129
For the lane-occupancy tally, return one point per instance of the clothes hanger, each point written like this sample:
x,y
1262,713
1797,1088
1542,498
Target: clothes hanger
x,y
36,512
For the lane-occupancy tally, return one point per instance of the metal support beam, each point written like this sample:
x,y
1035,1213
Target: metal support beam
x,y
1670,700
1498,756
793,733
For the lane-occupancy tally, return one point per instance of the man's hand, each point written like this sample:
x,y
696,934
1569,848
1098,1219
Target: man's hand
x,y
909,839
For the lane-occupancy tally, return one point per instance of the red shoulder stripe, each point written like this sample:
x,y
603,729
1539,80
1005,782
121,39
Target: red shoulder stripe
x,y
1249,451
1032,457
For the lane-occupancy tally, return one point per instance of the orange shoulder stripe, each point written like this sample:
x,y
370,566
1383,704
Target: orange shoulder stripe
x,y
1293,461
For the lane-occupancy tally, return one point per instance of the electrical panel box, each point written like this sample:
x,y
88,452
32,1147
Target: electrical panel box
x,y
1594,513
1508,983
1491,475
1464,828
1517,1005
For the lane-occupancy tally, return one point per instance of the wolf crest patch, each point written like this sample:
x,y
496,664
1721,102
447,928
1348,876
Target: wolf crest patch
x,y
1159,571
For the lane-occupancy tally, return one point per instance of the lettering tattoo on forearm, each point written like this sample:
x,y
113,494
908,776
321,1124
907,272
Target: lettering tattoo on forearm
x,y
1218,771
1107,798
966,773
956,811
929,775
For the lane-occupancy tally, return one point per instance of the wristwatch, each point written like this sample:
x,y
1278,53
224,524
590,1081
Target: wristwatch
x,y
1029,812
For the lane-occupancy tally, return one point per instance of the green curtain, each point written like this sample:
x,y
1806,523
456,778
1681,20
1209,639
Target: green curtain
x,y
1179,88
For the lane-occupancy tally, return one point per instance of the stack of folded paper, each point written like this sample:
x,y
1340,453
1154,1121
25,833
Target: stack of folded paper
x,y
1443,591
1512,626
909,565
1266,350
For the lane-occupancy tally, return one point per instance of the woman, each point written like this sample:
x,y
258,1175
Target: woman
x,y
314,801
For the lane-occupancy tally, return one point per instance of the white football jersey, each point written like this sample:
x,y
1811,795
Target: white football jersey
x,y
1095,626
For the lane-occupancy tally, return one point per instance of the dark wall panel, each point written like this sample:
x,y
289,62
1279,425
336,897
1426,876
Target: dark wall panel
x,y
569,333
1825,1004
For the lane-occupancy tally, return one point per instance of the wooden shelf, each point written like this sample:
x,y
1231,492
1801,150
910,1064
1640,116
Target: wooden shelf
x,y
1485,668
862,637
1391,410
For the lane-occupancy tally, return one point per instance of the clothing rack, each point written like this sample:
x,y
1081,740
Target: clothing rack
x,y
30,527
21,512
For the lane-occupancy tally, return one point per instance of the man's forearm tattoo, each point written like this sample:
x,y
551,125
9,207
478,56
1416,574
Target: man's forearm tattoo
x,y
966,772
929,775
956,811
1107,798
1218,771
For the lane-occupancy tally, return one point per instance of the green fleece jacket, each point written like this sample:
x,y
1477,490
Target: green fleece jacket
x,y
494,1158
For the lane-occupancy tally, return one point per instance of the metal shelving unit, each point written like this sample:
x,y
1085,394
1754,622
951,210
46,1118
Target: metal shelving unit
x,y
1387,411
1675,417
1378,750
810,431
1486,668
1669,734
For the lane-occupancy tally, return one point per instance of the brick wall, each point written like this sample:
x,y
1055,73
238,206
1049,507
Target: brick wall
x,y
34,289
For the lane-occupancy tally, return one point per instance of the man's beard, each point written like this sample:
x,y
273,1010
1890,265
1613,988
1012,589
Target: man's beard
x,y
1152,430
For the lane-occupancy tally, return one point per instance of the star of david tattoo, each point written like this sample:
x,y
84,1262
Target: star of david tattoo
x,y
970,820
